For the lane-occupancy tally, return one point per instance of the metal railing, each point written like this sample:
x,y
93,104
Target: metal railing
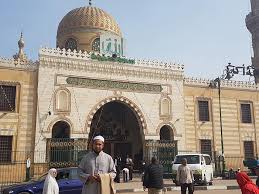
x,y
18,169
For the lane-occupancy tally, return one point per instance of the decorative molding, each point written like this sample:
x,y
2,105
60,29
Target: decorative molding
x,y
230,84
65,59
18,64
247,136
109,84
56,94
204,135
57,119
10,83
171,126
163,116
138,113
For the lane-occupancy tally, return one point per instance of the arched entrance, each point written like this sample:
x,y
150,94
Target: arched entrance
x,y
122,130
60,153
167,149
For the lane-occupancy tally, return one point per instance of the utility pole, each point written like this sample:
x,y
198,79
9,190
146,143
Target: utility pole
x,y
217,84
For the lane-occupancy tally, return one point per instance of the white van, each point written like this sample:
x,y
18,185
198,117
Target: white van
x,y
200,164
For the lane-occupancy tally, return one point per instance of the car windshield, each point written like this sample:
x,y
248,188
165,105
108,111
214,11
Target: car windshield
x,y
62,174
191,159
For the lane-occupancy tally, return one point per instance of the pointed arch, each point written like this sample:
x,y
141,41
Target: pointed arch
x,y
138,113
170,125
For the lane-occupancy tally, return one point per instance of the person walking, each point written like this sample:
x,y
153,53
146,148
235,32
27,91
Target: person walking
x,y
50,185
246,184
129,165
94,164
185,177
153,177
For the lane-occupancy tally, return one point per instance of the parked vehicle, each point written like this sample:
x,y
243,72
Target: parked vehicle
x,y
251,164
67,178
200,164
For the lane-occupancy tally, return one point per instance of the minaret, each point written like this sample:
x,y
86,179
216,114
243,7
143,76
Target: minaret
x,y
252,24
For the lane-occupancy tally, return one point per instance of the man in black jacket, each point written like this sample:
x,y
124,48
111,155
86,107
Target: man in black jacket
x,y
153,177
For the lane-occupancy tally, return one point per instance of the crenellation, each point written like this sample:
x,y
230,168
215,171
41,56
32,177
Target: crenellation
x,y
18,64
60,54
229,84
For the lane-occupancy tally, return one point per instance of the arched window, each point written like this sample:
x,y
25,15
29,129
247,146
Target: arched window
x,y
71,44
61,129
96,45
165,133
165,107
62,100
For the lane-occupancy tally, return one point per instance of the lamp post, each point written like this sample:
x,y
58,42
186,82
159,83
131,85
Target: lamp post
x,y
217,84
229,72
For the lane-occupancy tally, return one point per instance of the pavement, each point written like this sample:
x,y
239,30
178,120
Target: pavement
x,y
135,186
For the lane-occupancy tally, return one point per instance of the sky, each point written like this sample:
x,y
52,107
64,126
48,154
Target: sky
x,y
203,35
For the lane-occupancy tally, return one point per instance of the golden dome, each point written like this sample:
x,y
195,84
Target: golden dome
x,y
89,18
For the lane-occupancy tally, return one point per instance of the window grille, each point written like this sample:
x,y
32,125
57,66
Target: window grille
x,y
249,149
7,98
203,110
6,148
246,115
206,147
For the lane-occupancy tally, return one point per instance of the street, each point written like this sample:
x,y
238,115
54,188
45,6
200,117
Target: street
x,y
199,192
137,184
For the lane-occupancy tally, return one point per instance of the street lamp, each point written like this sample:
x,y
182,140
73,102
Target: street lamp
x,y
229,72
216,84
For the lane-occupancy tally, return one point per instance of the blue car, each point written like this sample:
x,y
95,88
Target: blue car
x,y
67,178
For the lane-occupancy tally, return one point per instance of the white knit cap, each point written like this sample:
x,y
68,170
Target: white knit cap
x,y
99,137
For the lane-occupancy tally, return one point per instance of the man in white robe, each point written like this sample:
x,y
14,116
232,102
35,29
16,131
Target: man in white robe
x,y
94,163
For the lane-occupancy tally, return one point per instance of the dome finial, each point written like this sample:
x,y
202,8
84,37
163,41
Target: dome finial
x,y
21,42
20,55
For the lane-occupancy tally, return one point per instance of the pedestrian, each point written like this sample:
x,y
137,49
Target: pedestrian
x,y
153,177
185,177
50,183
125,174
28,168
129,165
231,174
246,184
142,169
95,164
117,162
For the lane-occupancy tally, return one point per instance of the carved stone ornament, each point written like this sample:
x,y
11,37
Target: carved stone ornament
x,y
109,84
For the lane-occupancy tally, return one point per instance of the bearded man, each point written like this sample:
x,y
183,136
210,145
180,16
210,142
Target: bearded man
x,y
93,164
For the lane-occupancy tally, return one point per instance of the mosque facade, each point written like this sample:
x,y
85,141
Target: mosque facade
x,y
86,87
98,91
